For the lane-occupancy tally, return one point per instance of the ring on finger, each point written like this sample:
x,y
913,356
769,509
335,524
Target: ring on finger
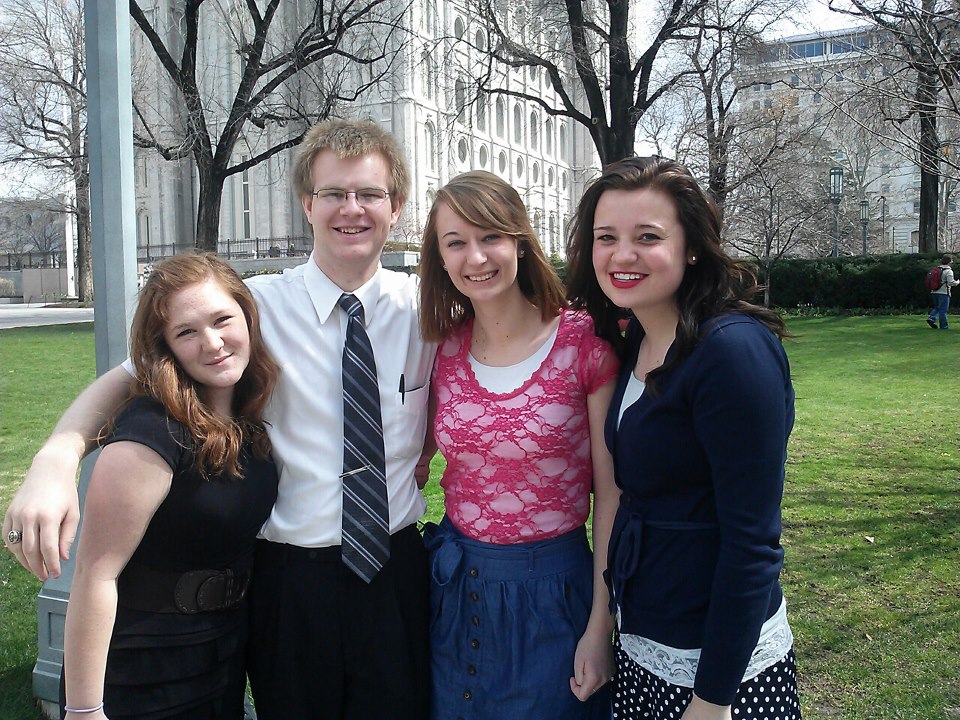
x,y
14,536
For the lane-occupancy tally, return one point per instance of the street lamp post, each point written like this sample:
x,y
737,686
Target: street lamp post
x,y
864,220
883,221
836,193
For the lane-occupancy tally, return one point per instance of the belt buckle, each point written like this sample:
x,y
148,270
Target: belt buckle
x,y
209,590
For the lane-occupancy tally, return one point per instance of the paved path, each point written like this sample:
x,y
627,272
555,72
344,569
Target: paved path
x,y
34,314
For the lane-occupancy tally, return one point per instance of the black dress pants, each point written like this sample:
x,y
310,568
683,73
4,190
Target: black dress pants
x,y
325,645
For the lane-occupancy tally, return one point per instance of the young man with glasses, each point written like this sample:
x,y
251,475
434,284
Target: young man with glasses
x,y
328,640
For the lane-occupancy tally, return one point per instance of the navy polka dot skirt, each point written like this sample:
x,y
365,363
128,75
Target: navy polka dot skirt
x,y
638,693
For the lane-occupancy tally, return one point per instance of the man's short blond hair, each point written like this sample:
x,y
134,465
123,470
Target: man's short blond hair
x,y
350,139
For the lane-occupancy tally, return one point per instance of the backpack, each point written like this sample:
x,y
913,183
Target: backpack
x,y
934,279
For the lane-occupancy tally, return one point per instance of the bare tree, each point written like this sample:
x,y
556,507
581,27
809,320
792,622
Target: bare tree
x,y
918,45
717,126
43,106
775,210
292,64
605,73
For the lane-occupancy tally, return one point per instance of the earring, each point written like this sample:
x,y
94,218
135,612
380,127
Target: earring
x,y
693,259
521,253
444,267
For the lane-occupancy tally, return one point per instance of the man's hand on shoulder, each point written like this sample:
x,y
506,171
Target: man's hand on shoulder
x,y
46,512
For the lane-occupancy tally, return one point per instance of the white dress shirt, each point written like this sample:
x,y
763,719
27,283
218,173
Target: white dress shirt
x,y
304,329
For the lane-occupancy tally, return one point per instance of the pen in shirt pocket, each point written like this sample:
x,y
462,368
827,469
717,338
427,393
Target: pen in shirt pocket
x,y
402,390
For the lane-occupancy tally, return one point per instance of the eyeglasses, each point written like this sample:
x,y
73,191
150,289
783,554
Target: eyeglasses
x,y
366,197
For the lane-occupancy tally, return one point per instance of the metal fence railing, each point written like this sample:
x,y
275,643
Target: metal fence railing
x,y
275,247
29,260
229,249
271,247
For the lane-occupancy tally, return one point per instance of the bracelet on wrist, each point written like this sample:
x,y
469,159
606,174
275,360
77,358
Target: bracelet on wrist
x,y
83,711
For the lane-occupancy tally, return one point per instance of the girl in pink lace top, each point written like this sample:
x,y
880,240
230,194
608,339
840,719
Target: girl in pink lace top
x,y
520,624
518,462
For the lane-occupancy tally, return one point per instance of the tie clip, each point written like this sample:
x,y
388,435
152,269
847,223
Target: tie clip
x,y
354,472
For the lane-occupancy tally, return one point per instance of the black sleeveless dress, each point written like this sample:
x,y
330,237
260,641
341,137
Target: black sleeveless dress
x,y
168,664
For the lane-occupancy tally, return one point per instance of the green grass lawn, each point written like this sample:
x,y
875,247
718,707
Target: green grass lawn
x,y
871,510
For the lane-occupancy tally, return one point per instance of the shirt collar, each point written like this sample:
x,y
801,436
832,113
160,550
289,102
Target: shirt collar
x,y
325,294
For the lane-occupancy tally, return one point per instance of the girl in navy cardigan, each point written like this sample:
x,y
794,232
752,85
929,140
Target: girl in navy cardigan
x,y
698,430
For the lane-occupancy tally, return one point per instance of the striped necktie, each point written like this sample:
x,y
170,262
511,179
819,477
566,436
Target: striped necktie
x,y
366,518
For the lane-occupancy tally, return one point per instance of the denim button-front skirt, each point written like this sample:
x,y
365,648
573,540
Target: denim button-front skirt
x,y
505,622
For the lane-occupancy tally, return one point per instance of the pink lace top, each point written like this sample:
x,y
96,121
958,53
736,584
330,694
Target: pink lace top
x,y
518,463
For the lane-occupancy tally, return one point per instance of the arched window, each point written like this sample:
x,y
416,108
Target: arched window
x,y
483,156
563,141
143,230
502,161
460,99
517,124
520,22
463,150
501,119
429,76
519,167
458,28
480,40
534,130
482,113
430,145
245,204
548,133
537,30
431,8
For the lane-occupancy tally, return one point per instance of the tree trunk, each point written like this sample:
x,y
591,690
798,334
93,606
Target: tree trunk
x,y
615,145
929,149
929,185
84,255
208,211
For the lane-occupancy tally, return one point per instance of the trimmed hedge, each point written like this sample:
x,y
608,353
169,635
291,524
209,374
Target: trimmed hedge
x,y
870,281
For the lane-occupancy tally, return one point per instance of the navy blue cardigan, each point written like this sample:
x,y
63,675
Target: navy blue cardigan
x,y
695,552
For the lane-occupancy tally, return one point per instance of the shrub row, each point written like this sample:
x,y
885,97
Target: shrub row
x,y
871,281
838,285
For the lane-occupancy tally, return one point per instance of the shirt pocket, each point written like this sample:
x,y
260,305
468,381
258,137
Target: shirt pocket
x,y
404,421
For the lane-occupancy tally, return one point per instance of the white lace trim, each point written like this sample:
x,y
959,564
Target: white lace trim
x,y
679,666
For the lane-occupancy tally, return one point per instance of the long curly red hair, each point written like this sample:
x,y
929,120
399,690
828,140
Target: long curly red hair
x,y
159,376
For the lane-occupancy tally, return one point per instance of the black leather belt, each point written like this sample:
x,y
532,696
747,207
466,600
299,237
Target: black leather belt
x,y
196,591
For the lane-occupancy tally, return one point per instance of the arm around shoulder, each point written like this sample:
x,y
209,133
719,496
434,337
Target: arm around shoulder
x,y
46,509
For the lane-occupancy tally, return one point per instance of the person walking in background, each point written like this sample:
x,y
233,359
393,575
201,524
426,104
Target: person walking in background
x,y
520,624
157,621
698,429
941,296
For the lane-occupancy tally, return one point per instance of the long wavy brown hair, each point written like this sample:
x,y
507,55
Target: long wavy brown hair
x,y
487,201
159,376
717,284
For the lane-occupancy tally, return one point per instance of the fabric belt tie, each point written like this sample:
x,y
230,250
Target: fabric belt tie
x,y
365,522
446,553
626,548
